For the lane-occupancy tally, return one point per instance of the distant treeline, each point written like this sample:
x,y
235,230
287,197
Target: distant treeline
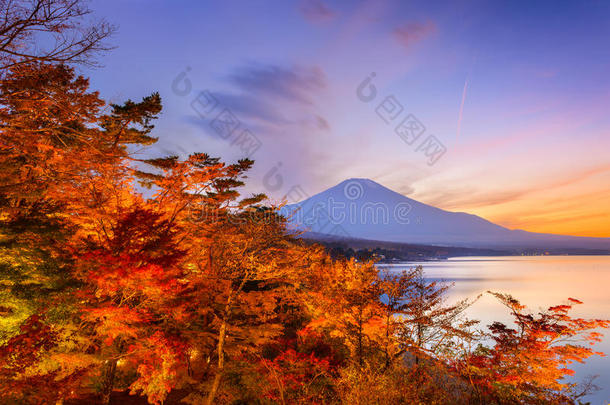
x,y
384,251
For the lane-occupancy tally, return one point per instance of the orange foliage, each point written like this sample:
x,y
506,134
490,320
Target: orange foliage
x,y
160,277
528,362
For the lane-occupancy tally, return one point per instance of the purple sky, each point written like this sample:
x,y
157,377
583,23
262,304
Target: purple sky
x,y
517,94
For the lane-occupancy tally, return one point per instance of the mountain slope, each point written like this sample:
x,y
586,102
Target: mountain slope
x,y
362,208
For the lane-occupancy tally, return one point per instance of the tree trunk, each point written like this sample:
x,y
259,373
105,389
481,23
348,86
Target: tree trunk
x,y
109,381
221,363
419,339
387,339
360,354
221,341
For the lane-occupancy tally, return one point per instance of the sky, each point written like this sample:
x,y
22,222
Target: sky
x,y
499,109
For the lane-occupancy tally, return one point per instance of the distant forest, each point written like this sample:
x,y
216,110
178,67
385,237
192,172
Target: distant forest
x,y
382,251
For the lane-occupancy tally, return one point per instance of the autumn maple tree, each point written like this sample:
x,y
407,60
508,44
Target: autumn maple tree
x,y
529,361
127,273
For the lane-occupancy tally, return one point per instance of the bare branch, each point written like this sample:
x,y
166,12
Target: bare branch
x,y
55,31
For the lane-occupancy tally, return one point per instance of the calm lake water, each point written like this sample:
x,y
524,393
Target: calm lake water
x,y
538,282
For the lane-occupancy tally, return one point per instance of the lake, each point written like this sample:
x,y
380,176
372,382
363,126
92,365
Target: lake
x,y
538,282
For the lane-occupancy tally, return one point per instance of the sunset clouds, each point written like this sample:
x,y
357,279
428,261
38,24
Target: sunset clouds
x,y
525,89
412,32
316,11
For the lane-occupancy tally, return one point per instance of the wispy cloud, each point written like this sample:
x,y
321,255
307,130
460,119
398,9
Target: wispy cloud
x,y
280,106
251,106
468,198
459,123
316,11
465,198
322,123
413,32
292,84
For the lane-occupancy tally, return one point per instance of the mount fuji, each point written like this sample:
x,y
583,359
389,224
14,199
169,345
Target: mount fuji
x,y
364,209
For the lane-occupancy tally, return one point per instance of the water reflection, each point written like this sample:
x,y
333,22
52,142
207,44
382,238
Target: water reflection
x,y
538,282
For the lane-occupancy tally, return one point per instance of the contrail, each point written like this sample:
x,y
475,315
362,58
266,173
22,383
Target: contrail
x,y
459,125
